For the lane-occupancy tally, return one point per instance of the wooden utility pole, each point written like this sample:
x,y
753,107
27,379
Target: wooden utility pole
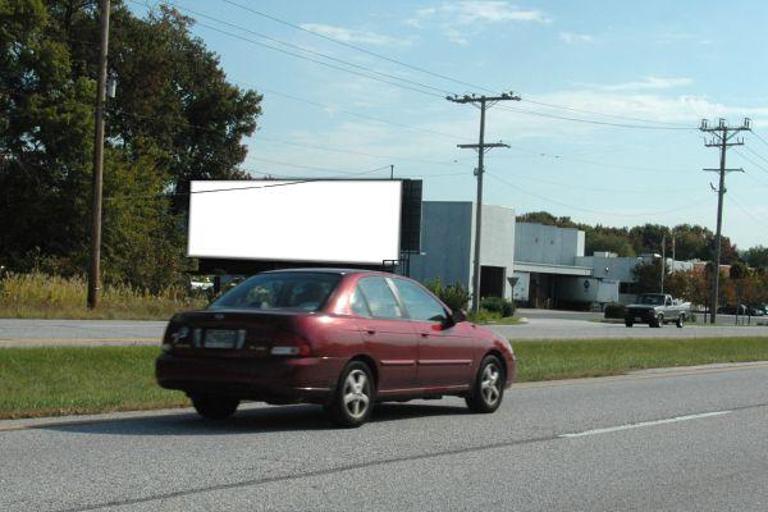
x,y
482,102
94,274
722,135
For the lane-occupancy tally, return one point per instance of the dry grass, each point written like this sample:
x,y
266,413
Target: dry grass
x,y
43,296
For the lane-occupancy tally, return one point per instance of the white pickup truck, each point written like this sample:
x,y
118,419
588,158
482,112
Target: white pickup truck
x,y
657,309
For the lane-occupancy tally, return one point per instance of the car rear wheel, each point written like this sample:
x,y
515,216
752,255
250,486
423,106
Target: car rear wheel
x,y
680,322
658,321
353,399
488,391
629,323
214,407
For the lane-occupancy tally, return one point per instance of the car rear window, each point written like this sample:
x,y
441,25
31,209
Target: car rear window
x,y
287,291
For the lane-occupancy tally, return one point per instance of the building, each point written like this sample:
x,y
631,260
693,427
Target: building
x,y
535,265
447,246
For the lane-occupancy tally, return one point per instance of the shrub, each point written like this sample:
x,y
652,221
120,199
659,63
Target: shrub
x,y
454,295
498,305
39,295
615,310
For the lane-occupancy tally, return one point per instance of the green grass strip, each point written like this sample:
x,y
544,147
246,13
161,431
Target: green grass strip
x,y
82,380
548,360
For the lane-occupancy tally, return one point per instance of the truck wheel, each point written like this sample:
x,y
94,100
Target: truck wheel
x,y
658,322
628,323
680,322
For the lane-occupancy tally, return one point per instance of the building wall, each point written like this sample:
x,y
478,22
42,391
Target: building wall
x,y
497,242
588,289
446,236
548,244
610,267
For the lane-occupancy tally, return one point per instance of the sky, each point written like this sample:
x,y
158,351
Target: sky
x,y
634,78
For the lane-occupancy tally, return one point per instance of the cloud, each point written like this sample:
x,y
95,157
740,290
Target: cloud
x,y
647,83
348,35
456,19
572,38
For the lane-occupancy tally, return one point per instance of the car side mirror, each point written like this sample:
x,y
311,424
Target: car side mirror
x,y
459,316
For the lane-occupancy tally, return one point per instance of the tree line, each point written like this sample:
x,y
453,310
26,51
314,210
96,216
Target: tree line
x,y
685,241
175,118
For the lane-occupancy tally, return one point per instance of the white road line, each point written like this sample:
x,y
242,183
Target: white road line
x,y
644,424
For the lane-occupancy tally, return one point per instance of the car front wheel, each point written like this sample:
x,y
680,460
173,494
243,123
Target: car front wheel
x,y
488,390
352,402
215,407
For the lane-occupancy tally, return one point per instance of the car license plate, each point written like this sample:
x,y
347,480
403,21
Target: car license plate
x,y
217,338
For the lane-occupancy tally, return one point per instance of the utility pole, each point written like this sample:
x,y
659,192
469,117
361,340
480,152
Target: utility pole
x,y
94,277
721,138
391,171
482,102
663,260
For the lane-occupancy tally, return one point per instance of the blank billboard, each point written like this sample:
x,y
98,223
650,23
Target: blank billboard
x,y
333,221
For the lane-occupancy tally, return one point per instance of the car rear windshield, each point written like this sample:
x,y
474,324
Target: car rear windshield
x,y
280,291
653,300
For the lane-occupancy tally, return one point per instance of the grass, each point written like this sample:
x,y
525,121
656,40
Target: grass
x,y
548,360
39,295
81,380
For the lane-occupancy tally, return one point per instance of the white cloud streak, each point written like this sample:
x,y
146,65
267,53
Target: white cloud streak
x,y
348,35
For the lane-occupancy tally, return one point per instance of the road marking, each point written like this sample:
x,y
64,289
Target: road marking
x,y
676,419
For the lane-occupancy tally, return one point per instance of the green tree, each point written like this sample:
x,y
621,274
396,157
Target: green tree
x,y
175,118
757,257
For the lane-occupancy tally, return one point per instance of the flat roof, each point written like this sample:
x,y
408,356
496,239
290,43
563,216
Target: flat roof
x,y
551,268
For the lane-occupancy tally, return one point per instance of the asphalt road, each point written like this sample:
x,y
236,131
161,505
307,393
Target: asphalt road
x,y
67,332
666,440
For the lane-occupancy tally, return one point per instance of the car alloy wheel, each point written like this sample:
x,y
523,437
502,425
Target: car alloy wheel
x,y
490,386
353,399
488,390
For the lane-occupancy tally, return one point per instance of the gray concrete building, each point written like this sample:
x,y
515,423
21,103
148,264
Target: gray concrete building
x,y
447,245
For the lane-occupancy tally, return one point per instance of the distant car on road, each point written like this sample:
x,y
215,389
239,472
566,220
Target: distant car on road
x,y
657,309
341,338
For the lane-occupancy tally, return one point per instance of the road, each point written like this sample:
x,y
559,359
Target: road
x,y
663,440
68,332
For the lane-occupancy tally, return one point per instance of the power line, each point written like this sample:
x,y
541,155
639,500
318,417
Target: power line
x,y
758,155
760,138
614,116
588,210
305,57
429,72
591,121
355,47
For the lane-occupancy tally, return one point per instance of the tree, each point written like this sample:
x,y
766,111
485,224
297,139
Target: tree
x,y
175,118
600,239
756,257
648,277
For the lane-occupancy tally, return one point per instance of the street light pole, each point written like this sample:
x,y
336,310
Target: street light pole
x,y
98,162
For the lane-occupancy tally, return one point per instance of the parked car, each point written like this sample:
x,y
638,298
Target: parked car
x,y
341,338
657,309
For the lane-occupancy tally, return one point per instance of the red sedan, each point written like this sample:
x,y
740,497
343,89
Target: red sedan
x,y
341,338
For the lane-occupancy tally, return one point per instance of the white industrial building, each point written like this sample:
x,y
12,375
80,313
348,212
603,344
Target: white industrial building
x,y
535,265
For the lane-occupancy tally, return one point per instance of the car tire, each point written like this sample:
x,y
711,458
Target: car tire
x,y
352,401
214,407
680,322
658,322
628,323
488,389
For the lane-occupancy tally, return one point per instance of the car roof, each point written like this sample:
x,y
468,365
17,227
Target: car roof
x,y
328,270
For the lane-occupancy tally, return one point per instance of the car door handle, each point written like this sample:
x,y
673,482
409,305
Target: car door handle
x,y
425,335
370,330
